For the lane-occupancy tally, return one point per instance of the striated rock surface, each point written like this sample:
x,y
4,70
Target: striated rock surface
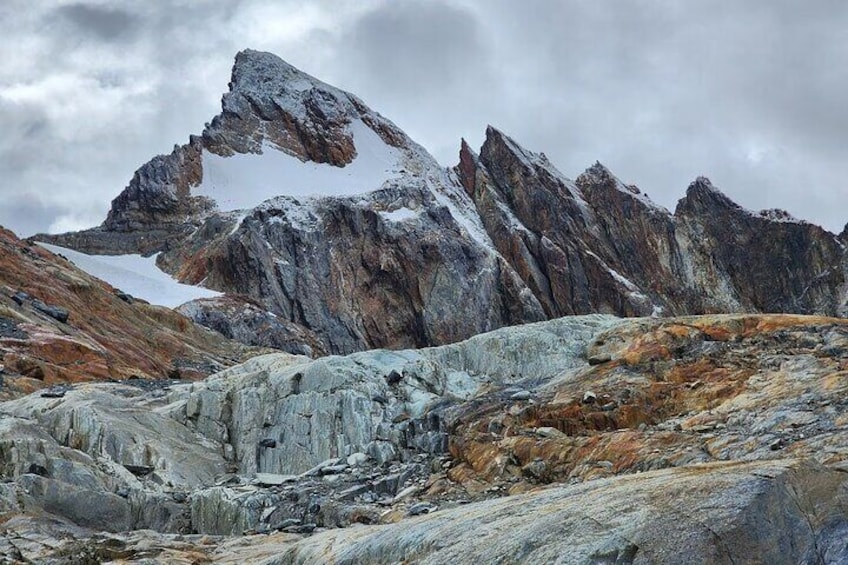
x,y
783,512
244,321
769,262
598,245
386,404
582,439
322,212
59,325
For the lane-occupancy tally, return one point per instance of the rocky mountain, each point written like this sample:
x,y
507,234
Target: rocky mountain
x,y
594,439
59,326
485,363
319,215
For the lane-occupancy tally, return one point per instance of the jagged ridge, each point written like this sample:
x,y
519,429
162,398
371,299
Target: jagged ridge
x,y
429,255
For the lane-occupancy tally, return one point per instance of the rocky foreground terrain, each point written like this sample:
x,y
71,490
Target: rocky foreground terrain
x,y
593,439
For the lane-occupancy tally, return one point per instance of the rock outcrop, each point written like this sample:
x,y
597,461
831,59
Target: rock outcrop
x,y
243,320
58,325
659,438
584,439
325,215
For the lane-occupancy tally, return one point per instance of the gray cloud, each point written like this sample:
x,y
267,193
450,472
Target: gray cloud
x,y
106,23
425,65
747,93
413,50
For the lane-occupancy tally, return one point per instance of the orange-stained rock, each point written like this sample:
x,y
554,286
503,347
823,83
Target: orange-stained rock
x,y
104,338
673,392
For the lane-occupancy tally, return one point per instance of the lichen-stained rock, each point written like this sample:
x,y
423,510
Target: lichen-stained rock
x,y
700,439
670,393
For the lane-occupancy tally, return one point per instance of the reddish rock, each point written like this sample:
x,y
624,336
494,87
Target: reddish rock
x,y
105,338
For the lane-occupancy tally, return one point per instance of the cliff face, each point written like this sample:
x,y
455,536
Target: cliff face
x,y
321,212
767,262
597,244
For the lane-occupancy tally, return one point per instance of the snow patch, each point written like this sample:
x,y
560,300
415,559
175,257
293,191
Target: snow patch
x,y
243,181
400,215
135,275
777,215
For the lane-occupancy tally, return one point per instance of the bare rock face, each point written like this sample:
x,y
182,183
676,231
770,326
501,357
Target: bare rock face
x,y
703,514
396,251
575,245
768,262
245,322
383,268
271,101
343,267
598,245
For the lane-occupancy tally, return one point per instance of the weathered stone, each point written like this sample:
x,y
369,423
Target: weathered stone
x,y
762,377
270,479
139,470
108,339
60,314
421,508
21,298
356,459
782,512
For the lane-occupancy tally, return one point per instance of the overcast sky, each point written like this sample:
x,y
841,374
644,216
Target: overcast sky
x,y
749,93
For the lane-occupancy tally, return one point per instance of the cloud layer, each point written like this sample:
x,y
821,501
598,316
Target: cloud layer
x,y
747,93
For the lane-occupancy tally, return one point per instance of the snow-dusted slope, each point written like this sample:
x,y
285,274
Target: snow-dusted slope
x,y
244,180
135,275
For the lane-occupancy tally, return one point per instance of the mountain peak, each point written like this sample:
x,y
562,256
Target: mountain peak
x,y
272,104
702,186
467,168
703,183
266,75
598,172
704,198
497,142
